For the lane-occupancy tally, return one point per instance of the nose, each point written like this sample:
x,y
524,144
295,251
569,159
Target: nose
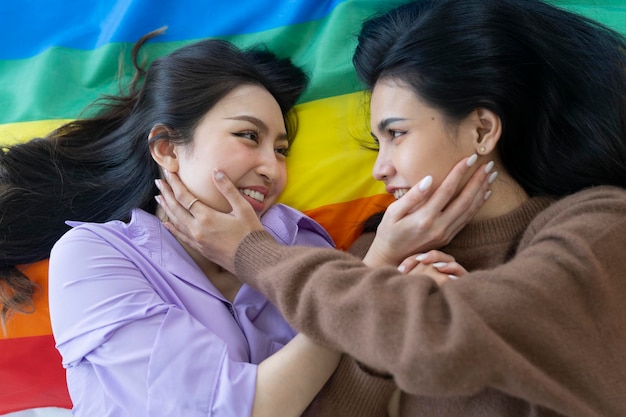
x,y
268,166
383,168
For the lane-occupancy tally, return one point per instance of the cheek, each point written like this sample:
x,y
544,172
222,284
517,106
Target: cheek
x,y
197,177
414,164
281,181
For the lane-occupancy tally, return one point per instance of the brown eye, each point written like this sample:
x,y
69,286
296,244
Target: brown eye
x,y
395,133
251,135
282,151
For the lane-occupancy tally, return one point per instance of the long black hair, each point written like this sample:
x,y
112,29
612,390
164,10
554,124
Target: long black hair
x,y
99,168
556,79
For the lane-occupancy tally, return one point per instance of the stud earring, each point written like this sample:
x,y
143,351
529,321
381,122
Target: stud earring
x,y
482,150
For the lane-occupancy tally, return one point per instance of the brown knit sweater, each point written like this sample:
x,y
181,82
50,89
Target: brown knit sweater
x,y
537,328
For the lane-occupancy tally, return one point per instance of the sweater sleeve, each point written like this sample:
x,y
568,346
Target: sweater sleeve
x,y
546,326
352,392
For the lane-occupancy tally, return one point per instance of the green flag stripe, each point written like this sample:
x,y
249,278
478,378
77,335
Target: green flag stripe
x,y
60,82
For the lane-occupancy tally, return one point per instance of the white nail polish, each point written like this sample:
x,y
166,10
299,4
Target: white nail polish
x,y
453,277
402,268
425,183
440,264
489,167
472,160
493,177
487,194
421,257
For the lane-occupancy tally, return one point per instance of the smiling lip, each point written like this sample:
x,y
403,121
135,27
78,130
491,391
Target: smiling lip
x,y
255,195
397,192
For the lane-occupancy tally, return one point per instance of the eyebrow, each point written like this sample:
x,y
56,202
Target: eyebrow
x,y
258,123
382,125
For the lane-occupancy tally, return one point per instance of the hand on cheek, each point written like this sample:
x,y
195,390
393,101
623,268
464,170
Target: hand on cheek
x,y
425,219
213,234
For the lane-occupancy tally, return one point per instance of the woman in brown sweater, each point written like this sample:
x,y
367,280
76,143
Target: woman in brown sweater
x,y
537,326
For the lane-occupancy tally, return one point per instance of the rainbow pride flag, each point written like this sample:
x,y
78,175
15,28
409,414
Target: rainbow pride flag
x,y
58,56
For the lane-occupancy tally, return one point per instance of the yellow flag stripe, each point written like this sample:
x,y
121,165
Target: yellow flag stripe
x,y
327,164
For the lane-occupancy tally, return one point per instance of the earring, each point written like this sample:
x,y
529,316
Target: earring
x,y
482,150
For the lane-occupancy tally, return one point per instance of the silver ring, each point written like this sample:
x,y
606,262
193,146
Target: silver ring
x,y
192,203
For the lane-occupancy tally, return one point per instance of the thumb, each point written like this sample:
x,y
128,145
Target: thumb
x,y
412,200
240,207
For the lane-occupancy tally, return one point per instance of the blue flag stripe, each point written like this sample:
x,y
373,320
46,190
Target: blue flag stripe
x,y
32,26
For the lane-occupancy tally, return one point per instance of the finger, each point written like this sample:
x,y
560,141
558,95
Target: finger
x,y
408,264
229,191
463,208
180,193
450,268
178,234
173,208
412,200
440,279
460,221
434,256
429,270
448,188
430,257
241,209
172,222
438,274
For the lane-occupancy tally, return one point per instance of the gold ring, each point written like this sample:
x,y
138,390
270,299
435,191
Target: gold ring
x,y
192,203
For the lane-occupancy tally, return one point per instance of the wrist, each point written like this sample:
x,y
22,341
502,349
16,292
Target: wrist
x,y
373,259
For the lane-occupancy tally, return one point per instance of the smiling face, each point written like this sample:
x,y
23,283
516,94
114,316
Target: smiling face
x,y
414,140
243,135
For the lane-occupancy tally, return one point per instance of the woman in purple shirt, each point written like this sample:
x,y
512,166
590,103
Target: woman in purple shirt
x,y
146,326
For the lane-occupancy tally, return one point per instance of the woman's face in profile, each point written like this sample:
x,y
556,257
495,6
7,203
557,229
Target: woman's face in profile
x,y
414,140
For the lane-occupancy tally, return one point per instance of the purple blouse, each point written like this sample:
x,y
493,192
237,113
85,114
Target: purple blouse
x,y
143,332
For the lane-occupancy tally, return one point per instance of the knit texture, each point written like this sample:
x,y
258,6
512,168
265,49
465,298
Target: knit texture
x,y
537,328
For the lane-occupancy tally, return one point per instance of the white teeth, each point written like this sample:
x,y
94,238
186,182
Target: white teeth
x,y
253,194
399,193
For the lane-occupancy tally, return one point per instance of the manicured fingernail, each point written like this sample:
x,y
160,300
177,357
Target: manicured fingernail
x,y
219,175
489,167
157,182
472,160
453,277
487,194
421,257
166,173
493,177
159,200
425,183
402,268
440,264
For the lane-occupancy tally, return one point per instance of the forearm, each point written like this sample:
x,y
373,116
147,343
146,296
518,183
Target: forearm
x,y
289,380
331,296
377,315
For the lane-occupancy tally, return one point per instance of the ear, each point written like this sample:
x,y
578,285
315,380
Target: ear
x,y
163,151
488,128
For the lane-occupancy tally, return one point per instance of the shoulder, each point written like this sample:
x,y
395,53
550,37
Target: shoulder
x,y
595,202
604,195
589,214
142,229
292,227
